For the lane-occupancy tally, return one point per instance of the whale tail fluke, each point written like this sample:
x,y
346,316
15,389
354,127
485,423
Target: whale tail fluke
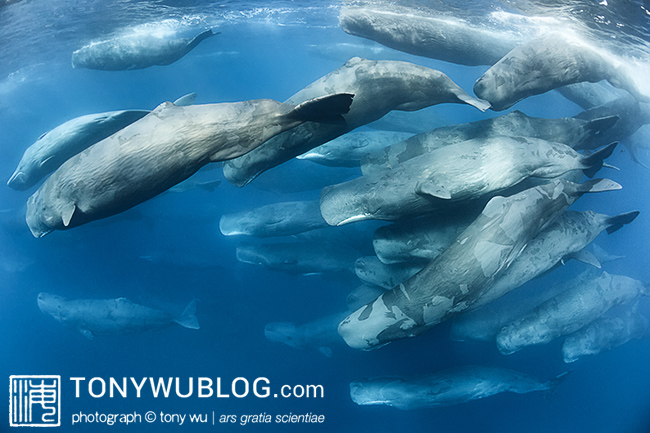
x,y
596,185
595,161
328,108
188,318
594,128
552,384
618,221
206,34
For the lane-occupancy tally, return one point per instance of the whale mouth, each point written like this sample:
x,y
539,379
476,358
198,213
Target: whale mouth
x,y
246,254
37,228
18,181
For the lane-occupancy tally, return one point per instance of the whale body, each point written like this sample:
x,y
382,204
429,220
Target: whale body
x,y
447,387
349,149
575,133
547,63
455,174
118,316
569,311
159,151
439,37
379,87
276,219
135,52
606,333
299,257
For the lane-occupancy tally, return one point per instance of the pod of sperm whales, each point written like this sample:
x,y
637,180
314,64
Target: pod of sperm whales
x,y
546,63
135,52
615,328
421,239
66,140
439,37
159,151
347,150
276,219
447,387
565,239
453,174
569,311
118,316
379,86
299,257
575,133
319,334
451,282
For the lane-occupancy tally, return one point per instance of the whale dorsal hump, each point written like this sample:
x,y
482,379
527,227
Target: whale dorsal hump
x,y
433,189
67,212
186,100
162,107
355,61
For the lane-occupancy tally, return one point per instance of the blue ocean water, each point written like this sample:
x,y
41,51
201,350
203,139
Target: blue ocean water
x,y
168,251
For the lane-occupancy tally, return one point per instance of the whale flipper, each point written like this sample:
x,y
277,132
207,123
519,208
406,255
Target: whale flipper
x,y
585,256
67,213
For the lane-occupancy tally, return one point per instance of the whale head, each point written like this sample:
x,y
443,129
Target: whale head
x,y
282,332
53,305
46,212
380,391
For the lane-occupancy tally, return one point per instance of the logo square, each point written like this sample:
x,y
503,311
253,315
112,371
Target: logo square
x,y
35,401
